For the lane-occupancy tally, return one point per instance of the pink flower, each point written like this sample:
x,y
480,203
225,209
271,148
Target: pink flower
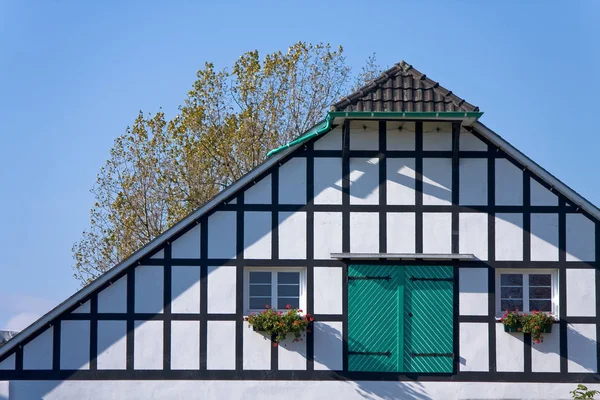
x,y
275,344
288,307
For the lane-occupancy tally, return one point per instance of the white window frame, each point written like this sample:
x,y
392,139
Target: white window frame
x,y
273,271
526,272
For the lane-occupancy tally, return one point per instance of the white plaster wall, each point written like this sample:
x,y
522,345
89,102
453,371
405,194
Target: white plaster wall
x,y
221,235
328,180
82,309
148,345
473,185
468,142
292,355
437,233
437,181
257,235
540,196
185,345
149,289
75,345
400,185
220,353
327,234
328,341
4,390
221,290
259,193
113,299
8,363
364,232
437,136
401,230
509,183
364,135
296,389
400,135
473,291
185,289
473,234
292,181
581,238
257,349
37,354
581,292
474,347
544,237
331,141
112,345
292,235
364,181
328,290
509,237
581,348
188,245
509,351
545,356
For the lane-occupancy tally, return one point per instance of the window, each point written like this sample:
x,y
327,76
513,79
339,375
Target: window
x,y
526,291
274,287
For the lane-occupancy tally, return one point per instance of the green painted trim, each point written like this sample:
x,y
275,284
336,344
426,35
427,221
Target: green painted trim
x,y
406,114
400,336
319,129
325,126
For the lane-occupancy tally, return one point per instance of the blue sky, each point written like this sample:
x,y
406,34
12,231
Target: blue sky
x,y
74,74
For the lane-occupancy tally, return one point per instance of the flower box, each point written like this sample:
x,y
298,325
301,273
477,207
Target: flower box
x,y
512,329
278,324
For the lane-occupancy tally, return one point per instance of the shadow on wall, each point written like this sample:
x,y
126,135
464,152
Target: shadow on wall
x,y
366,389
585,345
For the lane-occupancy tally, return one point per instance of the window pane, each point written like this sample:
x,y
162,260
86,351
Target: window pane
x,y
511,280
283,303
511,305
540,293
540,280
288,277
540,305
260,277
511,293
257,303
288,290
260,290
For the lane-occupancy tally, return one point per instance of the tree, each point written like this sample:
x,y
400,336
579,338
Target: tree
x,y
160,170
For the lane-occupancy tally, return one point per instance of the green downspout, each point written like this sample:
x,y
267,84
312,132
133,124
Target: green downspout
x,y
304,138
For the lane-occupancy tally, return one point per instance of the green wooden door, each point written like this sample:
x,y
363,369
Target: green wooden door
x,y
428,319
400,319
375,297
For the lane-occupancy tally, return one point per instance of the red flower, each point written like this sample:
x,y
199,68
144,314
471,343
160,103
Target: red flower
x,y
275,344
267,307
537,341
311,319
252,313
281,324
519,329
300,311
537,327
288,307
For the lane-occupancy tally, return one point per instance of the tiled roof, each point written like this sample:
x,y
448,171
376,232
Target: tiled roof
x,y
403,88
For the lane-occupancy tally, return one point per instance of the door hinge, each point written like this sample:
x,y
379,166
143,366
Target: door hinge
x,y
365,278
371,353
432,355
412,278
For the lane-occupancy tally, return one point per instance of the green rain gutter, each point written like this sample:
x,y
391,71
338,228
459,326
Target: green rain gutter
x,y
326,125
319,129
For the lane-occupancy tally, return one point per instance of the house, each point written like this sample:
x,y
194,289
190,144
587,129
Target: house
x,y
403,224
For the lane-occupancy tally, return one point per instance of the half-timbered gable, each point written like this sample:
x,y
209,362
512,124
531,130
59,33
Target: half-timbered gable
x,y
401,223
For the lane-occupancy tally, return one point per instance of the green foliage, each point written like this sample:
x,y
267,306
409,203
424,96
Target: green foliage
x,y
280,323
536,324
512,319
582,392
160,170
